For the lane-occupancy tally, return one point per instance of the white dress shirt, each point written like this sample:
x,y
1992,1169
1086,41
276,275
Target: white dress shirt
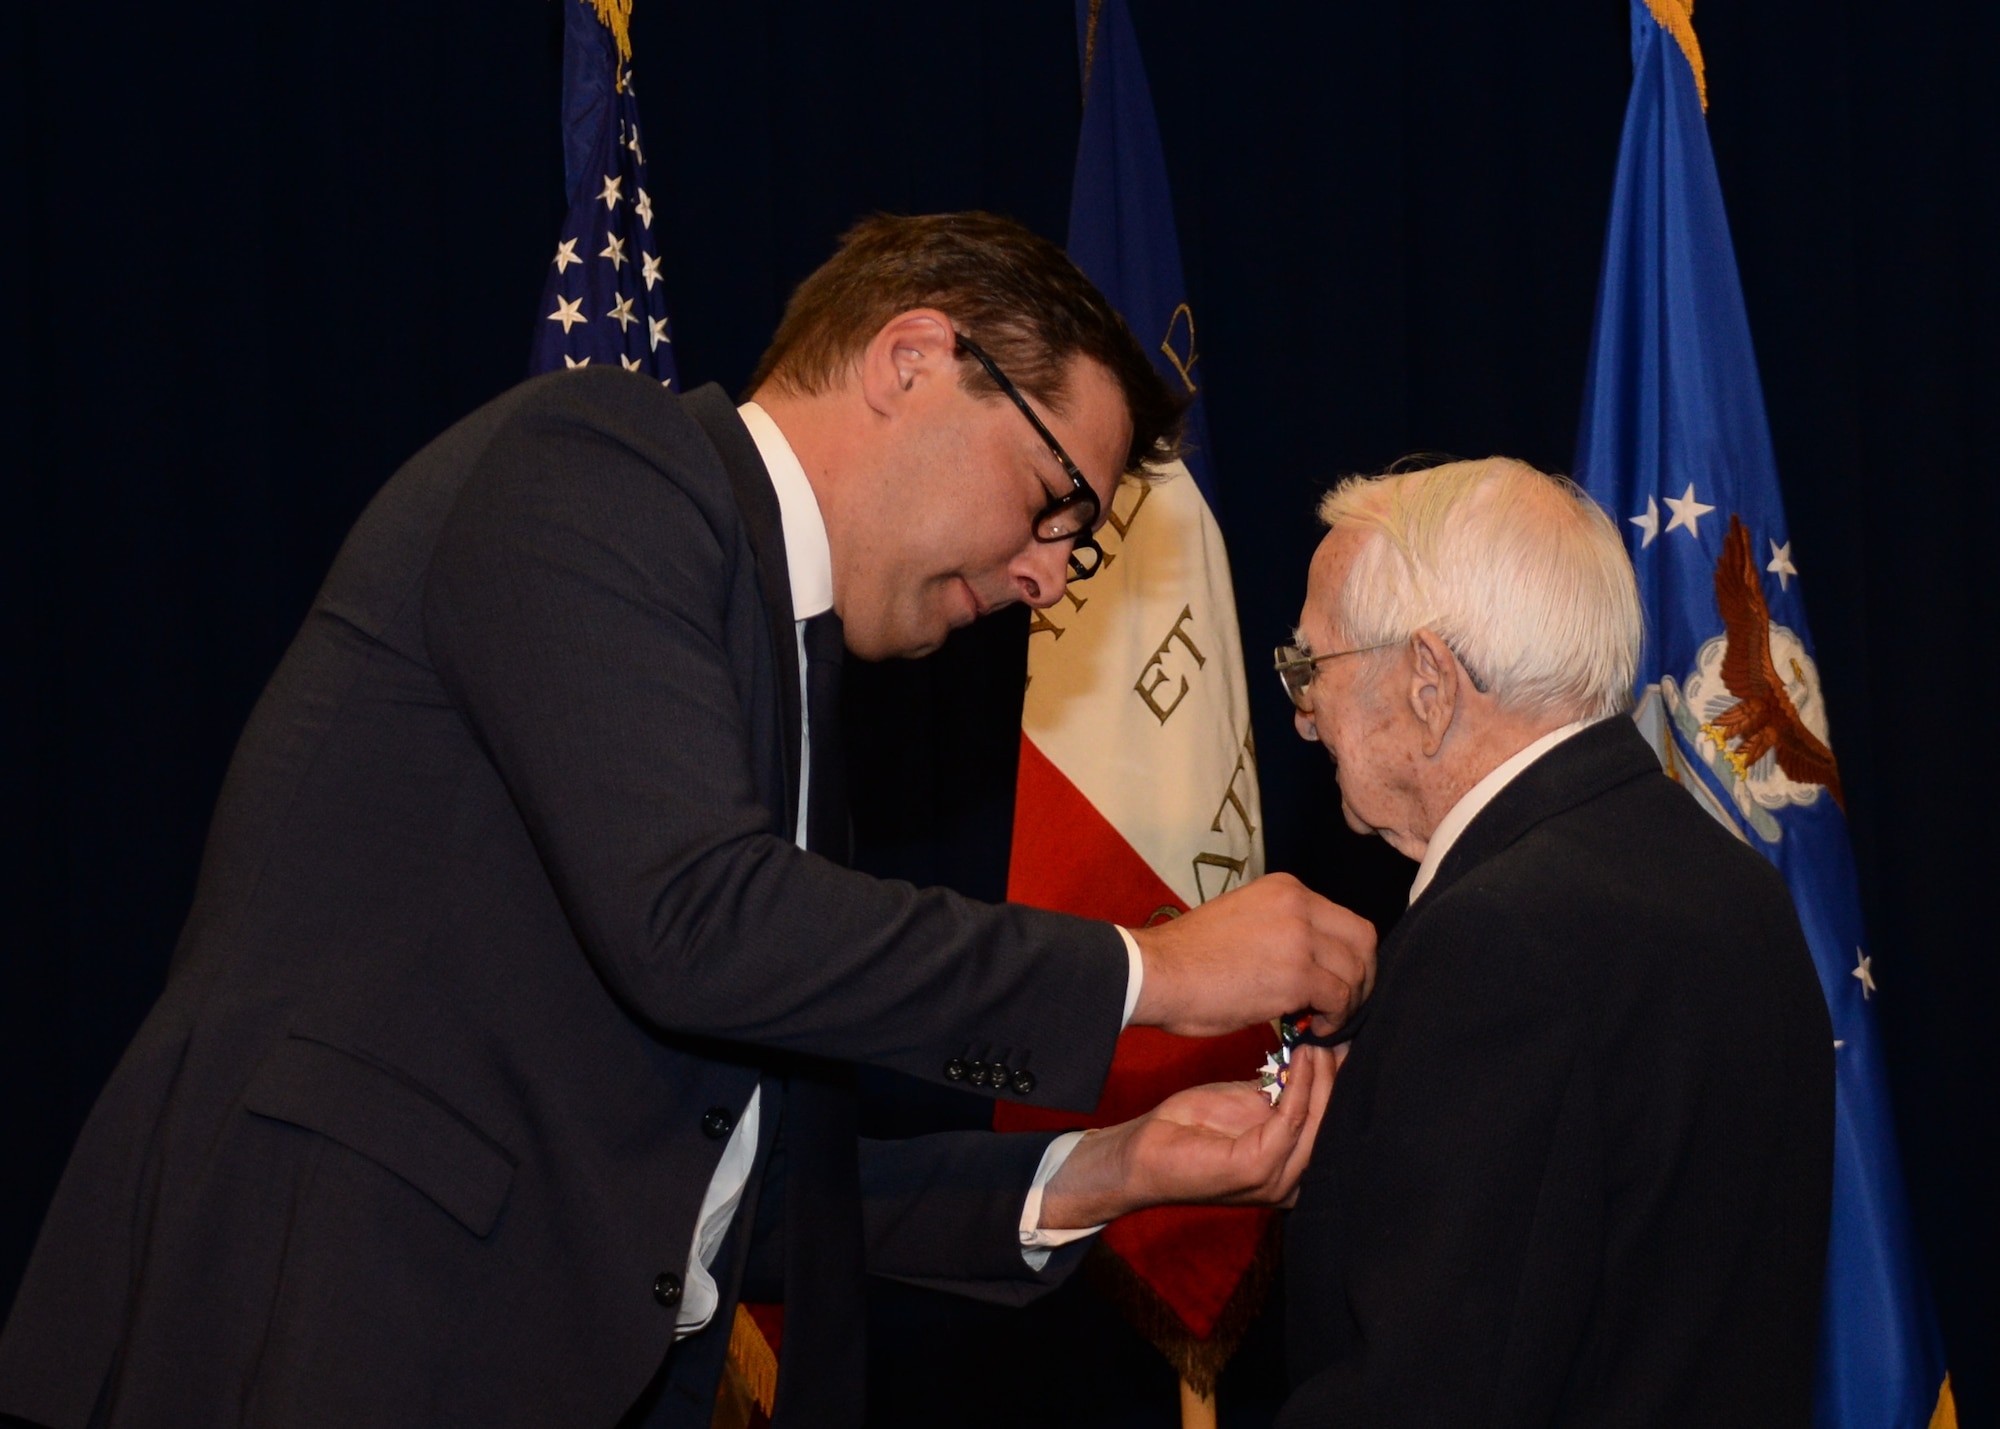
x,y
1478,797
809,561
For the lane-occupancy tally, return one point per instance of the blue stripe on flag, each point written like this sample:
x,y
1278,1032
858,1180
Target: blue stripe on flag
x,y
1121,215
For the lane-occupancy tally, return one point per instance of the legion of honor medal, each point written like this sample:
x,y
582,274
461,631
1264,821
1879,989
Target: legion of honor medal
x,y
1277,1068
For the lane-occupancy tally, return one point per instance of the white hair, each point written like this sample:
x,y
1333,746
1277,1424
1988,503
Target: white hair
x,y
1520,573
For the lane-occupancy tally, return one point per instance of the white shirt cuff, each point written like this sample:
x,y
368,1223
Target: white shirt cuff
x,y
718,1209
1036,1243
1135,978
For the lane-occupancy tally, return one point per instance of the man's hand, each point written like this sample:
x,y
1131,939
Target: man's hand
x,y
1222,1144
1261,951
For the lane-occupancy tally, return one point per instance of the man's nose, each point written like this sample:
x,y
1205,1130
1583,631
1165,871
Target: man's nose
x,y
1041,573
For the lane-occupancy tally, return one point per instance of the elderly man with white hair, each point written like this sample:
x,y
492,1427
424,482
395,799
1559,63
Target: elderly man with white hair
x,y
1577,1167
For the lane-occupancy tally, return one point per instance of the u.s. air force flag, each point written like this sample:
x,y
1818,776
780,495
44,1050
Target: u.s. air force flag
x,y
1674,443
1137,795
604,300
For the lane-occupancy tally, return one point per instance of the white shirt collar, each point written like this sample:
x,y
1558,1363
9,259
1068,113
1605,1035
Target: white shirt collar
x,y
1478,797
807,555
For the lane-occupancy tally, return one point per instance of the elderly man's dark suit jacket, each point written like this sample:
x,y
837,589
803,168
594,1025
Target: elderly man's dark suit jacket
x,y
499,923
1577,1167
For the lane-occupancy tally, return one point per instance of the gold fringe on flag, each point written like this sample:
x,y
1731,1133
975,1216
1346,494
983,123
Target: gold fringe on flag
x,y
749,1387
1676,17
1945,1416
1198,1361
617,18
1090,42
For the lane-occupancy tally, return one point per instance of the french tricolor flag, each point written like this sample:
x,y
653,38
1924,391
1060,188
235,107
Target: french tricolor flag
x,y
1137,795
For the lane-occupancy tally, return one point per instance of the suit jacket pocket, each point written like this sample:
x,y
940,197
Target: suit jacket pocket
x,y
390,1120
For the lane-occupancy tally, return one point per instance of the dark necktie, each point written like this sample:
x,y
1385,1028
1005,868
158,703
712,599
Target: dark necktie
x,y
824,1351
826,804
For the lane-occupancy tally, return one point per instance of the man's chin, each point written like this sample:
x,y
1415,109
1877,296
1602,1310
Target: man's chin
x,y
910,644
915,644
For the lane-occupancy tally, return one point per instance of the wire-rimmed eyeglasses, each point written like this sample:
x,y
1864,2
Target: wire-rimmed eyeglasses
x,y
1296,669
1070,516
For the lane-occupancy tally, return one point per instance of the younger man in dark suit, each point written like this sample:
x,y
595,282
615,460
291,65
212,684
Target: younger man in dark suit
x,y
1577,1166
523,982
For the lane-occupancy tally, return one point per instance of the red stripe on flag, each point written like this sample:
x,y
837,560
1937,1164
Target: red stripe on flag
x,y
1193,1257
1069,858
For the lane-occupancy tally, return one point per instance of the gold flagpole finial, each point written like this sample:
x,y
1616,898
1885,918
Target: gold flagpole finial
x,y
1676,17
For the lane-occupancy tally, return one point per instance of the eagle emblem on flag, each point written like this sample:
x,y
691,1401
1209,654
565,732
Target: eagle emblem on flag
x,y
1750,712
1765,719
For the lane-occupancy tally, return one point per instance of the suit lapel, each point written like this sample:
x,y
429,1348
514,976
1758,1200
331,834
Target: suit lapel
x,y
757,501
1589,763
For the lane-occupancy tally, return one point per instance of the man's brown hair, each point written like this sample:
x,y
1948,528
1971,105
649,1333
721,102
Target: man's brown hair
x,y
1015,294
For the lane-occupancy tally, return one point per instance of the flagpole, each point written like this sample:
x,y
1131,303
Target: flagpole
x,y
1197,1409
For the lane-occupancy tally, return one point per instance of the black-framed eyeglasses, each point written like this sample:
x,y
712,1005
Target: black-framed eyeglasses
x,y
1070,516
1296,669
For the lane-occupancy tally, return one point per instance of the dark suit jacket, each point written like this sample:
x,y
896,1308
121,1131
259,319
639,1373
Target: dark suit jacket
x,y
499,903
1577,1167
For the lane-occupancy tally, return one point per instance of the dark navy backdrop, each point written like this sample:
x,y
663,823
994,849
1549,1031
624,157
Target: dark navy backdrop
x,y
262,252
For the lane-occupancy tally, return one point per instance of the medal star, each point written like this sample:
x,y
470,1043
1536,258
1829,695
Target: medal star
x,y
566,255
1781,564
569,313
1687,512
644,208
1864,971
1270,1079
658,332
569,361
1649,523
614,249
622,314
649,268
611,194
630,364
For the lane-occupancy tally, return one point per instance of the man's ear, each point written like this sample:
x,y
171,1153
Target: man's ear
x,y
908,355
1434,688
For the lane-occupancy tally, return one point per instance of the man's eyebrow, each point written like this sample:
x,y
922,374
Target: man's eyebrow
x,y
1299,641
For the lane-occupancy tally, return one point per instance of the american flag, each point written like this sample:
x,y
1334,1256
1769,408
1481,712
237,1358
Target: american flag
x,y
604,300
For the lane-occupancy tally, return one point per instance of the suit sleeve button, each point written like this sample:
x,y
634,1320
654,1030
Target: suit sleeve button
x,y
1024,1084
977,1076
954,1070
717,1122
667,1289
997,1075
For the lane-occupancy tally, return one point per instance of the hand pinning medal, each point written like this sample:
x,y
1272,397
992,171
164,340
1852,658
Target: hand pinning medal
x,y
1295,1031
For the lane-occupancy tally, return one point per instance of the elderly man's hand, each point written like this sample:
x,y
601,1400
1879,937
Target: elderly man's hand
x,y
1217,1145
1266,949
